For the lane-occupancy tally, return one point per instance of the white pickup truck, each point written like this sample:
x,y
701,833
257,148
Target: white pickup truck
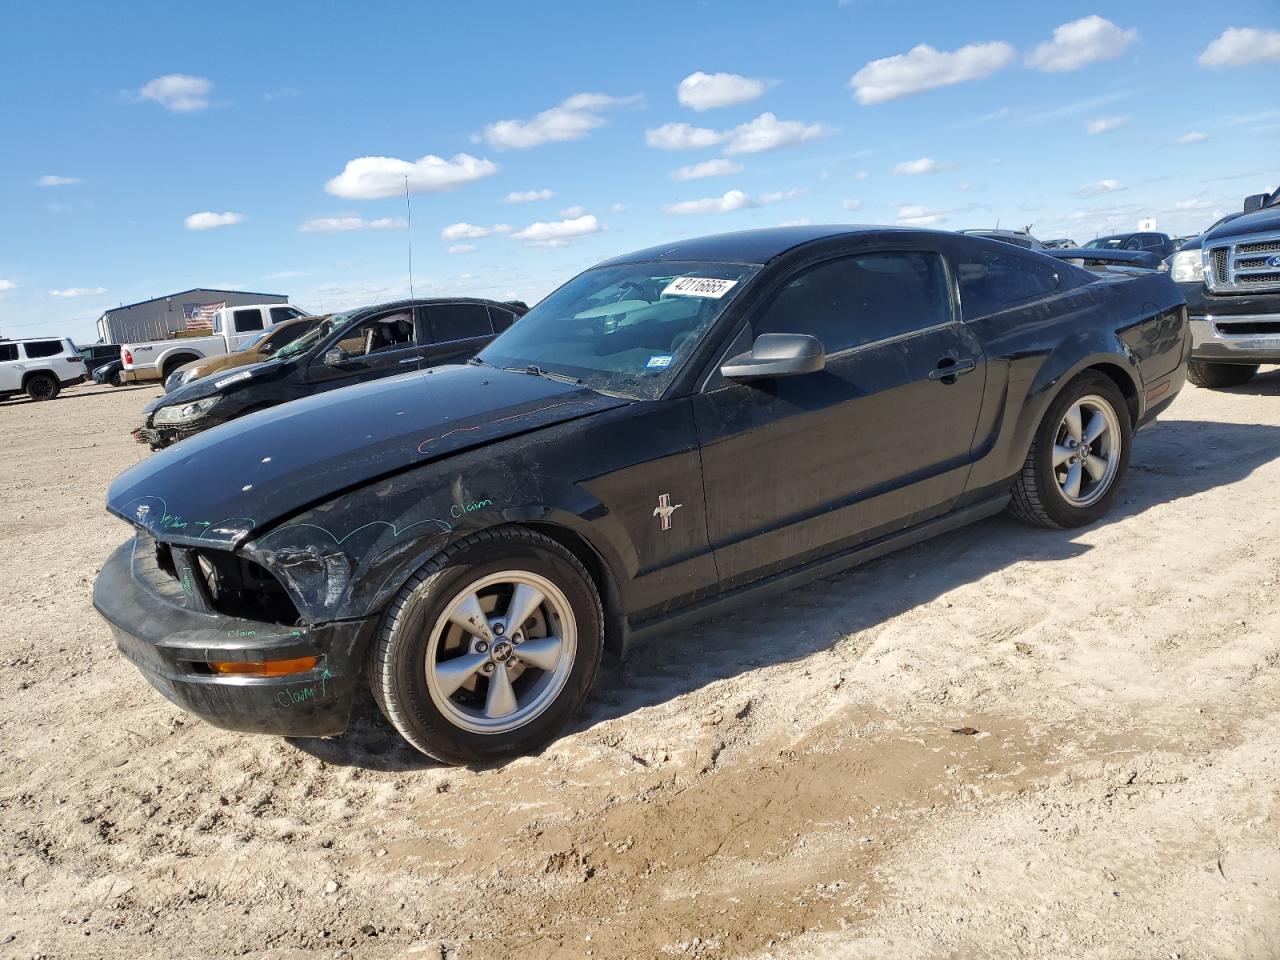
x,y
232,326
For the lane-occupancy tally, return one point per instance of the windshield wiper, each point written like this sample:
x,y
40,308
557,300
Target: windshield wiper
x,y
533,370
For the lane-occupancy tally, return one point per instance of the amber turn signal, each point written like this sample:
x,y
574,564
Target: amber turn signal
x,y
265,668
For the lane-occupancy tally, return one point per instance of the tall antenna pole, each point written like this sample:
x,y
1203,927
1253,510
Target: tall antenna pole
x,y
409,215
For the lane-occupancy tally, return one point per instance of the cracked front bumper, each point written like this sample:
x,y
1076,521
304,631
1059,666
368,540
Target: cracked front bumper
x,y
173,646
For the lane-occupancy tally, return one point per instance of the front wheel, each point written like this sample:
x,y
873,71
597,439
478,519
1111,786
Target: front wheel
x,y
1215,375
1079,455
490,649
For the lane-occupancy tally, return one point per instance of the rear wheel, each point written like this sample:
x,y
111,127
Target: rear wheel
x,y
1080,452
43,386
173,365
115,380
1214,375
490,649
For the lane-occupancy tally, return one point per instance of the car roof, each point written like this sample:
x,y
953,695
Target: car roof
x,y
52,336
746,246
422,302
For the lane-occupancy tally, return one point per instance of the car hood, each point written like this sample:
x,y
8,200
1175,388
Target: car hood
x,y
1260,221
218,486
211,384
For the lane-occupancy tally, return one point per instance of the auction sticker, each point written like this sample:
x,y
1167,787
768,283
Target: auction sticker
x,y
659,361
699,287
234,378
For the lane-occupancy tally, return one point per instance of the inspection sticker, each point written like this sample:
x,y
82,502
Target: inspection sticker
x,y
661,360
234,378
699,287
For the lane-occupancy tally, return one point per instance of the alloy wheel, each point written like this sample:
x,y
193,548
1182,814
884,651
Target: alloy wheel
x,y
1086,451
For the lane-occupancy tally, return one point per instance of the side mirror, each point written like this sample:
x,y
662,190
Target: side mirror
x,y
335,355
1255,201
777,355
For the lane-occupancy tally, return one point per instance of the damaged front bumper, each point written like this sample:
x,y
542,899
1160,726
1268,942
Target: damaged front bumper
x,y
161,630
157,438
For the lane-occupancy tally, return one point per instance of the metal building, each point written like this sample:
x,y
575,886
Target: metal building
x,y
161,317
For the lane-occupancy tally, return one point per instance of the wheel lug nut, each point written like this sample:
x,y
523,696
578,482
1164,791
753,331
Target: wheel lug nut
x,y
481,646
487,668
499,629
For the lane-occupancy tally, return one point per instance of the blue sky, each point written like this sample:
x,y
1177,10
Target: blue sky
x,y
153,148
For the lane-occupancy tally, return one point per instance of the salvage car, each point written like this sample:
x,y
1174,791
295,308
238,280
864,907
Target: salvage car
x,y
260,348
1230,276
341,350
663,436
1159,244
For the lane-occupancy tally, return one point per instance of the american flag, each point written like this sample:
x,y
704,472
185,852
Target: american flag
x,y
199,316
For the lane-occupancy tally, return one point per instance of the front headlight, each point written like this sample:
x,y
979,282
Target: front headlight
x,y
185,412
1187,266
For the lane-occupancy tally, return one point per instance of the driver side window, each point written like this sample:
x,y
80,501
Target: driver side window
x,y
382,334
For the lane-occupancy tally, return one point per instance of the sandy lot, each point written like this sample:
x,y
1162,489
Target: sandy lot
x,y
785,782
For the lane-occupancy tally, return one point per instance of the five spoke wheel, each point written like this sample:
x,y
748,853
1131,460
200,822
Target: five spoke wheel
x,y
501,651
1086,451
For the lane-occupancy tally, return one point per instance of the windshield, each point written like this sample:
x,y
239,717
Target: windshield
x,y
311,337
1105,243
248,344
625,329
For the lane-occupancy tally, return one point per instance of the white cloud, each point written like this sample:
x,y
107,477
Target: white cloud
x,y
572,213
502,228
464,231
344,224
1099,187
1079,42
926,68
178,92
800,222
7,285
767,132
732,200
707,168
617,207
368,178
527,196
914,168
462,248
705,91
558,232
920,216
682,136
207,220
1191,205
571,120
53,180
1195,136
1239,46
861,175
1107,124
778,196
70,292
848,203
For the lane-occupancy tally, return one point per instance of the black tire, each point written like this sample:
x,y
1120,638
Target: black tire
x,y
115,380
173,364
396,673
1215,375
42,386
1038,498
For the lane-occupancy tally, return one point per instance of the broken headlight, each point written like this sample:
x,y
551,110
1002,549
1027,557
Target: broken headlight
x,y
184,412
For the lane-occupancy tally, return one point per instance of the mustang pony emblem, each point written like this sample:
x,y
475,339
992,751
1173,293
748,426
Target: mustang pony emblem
x,y
664,510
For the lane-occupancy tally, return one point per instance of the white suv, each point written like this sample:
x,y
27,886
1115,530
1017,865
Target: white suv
x,y
39,368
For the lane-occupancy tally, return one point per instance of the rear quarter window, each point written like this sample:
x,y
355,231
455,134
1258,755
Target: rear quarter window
x,y
991,282
35,349
8,351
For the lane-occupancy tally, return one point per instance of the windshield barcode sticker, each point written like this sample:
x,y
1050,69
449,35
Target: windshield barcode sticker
x,y
699,287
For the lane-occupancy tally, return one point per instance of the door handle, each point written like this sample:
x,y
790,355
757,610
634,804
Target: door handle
x,y
410,359
949,368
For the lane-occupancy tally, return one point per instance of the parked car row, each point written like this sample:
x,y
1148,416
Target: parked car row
x,y
664,434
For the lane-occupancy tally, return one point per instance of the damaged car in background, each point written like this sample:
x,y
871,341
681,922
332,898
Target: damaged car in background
x,y
338,351
669,432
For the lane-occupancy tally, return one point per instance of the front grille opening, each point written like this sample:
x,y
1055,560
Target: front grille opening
x,y
1251,278
238,587
1245,327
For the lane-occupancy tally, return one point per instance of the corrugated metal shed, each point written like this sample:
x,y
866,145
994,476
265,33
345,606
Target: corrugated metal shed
x,y
161,317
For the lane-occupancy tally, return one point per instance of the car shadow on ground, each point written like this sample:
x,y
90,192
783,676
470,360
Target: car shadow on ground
x,y
1263,385
81,392
1172,460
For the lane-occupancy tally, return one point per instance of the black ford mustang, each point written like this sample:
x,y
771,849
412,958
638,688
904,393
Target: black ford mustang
x,y
666,432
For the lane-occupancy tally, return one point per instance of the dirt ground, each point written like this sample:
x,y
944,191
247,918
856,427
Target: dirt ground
x,y
786,782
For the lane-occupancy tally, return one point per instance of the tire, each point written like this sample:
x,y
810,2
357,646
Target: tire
x,y
1215,375
173,364
1040,495
462,715
115,380
42,386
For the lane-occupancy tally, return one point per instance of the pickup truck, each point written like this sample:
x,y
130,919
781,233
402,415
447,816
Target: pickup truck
x,y
1230,276
232,327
